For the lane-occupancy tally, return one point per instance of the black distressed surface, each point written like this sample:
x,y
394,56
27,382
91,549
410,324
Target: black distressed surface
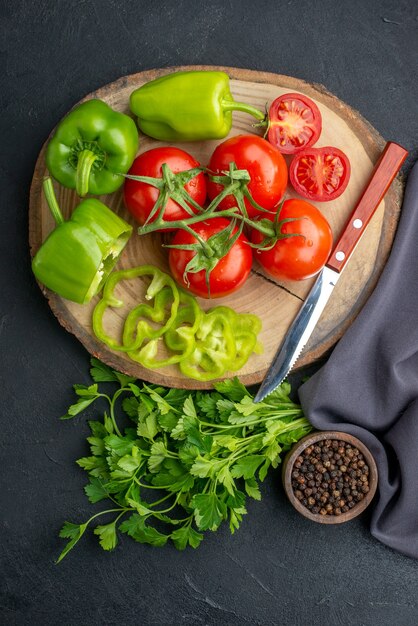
x,y
278,568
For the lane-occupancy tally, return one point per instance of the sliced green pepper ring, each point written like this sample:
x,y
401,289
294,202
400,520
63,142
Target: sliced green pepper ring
x,y
215,348
179,336
246,328
162,289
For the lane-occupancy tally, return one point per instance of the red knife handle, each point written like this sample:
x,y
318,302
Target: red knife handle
x,y
385,170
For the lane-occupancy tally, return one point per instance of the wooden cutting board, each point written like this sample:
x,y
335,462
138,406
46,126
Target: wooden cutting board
x,y
275,303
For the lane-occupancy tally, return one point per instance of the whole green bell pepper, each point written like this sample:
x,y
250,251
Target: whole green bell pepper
x,y
79,254
92,146
187,106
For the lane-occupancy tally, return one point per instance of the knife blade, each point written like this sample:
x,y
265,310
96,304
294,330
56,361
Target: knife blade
x,y
384,172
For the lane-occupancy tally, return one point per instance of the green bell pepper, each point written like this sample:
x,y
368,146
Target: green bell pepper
x,y
187,106
92,146
79,254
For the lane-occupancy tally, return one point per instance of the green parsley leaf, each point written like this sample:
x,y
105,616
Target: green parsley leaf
x,y
203,467
148,428
95,465
101,373
186,535
236,505
131,405
247,466
168,421
225,477
233,389
209,511
264,469
108,424
129,463
159,453
139,507
86,392
135,526
95,490
207,404
74,532
80,406
252,489
107,534
97,445
118,446
97,429
124,380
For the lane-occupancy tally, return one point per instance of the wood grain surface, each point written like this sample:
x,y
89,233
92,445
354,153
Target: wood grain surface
x,y
276,303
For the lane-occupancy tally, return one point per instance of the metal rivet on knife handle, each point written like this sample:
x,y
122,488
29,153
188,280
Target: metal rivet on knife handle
x,y
384,172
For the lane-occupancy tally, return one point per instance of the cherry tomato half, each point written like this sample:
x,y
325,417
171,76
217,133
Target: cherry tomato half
x,y
297,258
320,174
295,123
229,274
265,164
140,198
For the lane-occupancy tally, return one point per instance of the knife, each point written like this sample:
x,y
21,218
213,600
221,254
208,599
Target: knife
x,y
384,172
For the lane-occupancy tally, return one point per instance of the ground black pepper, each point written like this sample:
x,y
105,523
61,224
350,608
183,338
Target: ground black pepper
x,y
336,474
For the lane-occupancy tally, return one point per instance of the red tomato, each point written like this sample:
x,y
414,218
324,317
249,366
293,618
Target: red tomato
x,y
320,174
295,123
297,258
230,272
265,164
140,198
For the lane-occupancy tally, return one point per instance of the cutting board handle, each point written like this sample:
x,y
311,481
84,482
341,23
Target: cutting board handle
x,y
387,167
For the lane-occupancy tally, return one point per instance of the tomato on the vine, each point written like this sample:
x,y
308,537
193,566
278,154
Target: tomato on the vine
x,y
295,123
230,272
303,253
320,174
141,197
264,163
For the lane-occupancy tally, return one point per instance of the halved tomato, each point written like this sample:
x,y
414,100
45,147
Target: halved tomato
x,y
320,174
295,123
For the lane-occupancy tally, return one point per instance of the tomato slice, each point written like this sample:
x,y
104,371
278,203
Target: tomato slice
x,y
295,123
320,174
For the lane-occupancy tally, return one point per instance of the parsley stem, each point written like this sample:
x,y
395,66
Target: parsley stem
x,y
159,501
124,509
171,507
151,486
112,409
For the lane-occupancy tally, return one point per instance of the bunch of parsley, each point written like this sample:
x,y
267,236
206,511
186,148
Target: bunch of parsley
x,y
185,462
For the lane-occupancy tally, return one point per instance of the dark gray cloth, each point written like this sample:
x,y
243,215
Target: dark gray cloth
x,y
369,385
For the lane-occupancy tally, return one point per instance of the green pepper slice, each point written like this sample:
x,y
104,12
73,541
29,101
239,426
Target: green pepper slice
x,y
78,255
246,329
91,147
187,106
162,289
179,337
215,348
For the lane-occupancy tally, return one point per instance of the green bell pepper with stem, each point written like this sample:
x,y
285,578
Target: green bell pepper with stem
x,y
91,147
188,106
79,254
